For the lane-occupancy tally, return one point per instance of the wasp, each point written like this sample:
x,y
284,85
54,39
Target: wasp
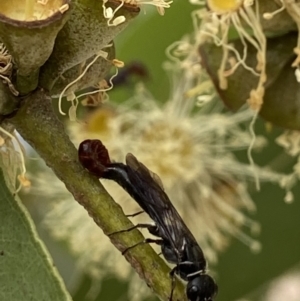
x,y
178,245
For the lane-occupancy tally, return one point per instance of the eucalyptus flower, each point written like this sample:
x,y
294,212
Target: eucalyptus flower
x,y
191,142
215,25
191,148
290,142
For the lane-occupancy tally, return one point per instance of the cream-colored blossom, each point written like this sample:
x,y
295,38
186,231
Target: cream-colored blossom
x,y
109,13
159,4
191,148
290,142
292,7
214,25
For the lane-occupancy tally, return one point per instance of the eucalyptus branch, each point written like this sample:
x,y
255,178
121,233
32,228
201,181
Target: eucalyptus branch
x,y
40,127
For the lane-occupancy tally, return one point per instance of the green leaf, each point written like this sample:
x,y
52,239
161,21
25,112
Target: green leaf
x,y
26,269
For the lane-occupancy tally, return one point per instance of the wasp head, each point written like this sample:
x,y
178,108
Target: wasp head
x,y
201,288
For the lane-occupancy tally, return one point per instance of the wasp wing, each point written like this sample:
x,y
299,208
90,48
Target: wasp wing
x,y
158,205
139,167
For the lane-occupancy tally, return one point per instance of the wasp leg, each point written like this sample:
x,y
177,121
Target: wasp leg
x,y
135,214
172,275
148,226
146,241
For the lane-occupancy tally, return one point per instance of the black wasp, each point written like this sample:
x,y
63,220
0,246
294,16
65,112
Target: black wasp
x,y
178,244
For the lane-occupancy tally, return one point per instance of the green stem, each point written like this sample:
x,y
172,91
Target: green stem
x,y
39,126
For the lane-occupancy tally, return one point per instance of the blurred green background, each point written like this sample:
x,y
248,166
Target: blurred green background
x,y
239,271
